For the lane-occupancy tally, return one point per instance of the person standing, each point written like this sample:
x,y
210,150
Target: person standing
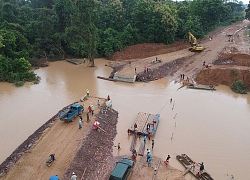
x,y
92,109
73,177
148,155
168,158
201,167
87,117
98,103
87,92
119,146
89,109
145,138
135,126
149,161
149,135
135,70
153,144
80,123
108,98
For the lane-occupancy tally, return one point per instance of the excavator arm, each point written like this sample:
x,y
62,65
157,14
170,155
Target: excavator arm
x,y
191,37
193,41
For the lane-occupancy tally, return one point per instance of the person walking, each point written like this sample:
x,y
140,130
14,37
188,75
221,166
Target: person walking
x,y
145,138
87,92
108,98
73,177
153,144
135,69
119,146
80,123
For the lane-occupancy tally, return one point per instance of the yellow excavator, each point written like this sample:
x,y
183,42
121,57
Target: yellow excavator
x,y
194,46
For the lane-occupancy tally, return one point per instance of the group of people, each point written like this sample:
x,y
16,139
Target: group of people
x,y
91,109
183,77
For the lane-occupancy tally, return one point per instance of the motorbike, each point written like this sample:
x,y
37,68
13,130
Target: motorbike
x,y
134,154
51,160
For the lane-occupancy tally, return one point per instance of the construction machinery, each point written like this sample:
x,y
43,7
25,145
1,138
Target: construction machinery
x,y
194,46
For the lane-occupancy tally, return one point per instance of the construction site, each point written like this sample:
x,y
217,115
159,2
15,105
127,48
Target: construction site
x,y
89,153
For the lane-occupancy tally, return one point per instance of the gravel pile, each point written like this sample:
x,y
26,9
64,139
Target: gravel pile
x,y
160,72
95,155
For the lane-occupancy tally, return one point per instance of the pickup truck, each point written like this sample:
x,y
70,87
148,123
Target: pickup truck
x,y
122,170
71,112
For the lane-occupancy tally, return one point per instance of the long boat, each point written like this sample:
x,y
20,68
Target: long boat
x,y
202,87
193,167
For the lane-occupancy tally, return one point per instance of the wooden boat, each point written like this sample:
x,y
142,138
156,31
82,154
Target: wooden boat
x,y
74,61
202,87
192,167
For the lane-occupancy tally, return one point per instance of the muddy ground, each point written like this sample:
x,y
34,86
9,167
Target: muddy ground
x,y
222,56
88,152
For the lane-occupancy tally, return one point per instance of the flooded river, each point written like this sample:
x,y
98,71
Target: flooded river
x,y
210,127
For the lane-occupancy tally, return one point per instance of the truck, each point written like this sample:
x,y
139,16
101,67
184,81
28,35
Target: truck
x,y
122,170
71,112
194,46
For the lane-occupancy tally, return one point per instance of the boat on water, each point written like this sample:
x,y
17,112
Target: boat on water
x,y
193,167
202,87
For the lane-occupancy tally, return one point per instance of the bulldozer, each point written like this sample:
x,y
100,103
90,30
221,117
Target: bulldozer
x,y
194,46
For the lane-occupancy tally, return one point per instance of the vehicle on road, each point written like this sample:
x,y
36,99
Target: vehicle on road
x,y
122,170
71,112
194,46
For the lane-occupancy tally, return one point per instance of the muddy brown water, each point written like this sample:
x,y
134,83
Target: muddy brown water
x,y
209,126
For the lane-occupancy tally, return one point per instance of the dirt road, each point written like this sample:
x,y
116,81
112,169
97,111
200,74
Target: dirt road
x,y
63,140
191,63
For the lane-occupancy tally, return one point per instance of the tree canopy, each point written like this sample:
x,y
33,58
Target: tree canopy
x,y
56,29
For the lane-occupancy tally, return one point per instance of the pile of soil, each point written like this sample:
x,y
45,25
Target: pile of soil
x,y
226,69
95,153
140,51
233,59
225,76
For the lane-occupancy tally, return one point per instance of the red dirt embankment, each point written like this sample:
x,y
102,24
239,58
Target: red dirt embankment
x,y
227,69
140,51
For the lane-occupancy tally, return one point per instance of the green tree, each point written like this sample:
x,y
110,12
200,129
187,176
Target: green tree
x,y
1,42
21,65
87,29
211,12
247,16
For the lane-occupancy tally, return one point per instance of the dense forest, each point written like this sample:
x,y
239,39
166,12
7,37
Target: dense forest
x,y
35,31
